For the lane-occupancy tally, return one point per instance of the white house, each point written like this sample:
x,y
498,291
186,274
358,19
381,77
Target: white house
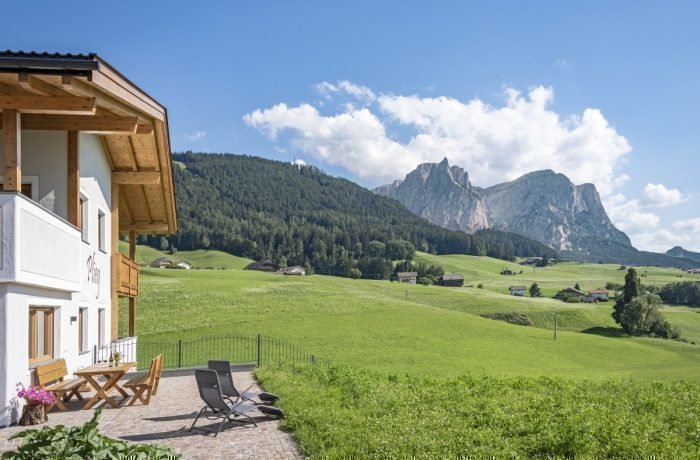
x,y
85,157
517,290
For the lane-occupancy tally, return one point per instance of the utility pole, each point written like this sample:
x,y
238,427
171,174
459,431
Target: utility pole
x,y
555,326
406,295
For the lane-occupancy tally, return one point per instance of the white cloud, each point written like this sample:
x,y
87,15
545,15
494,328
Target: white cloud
x,y
388,135
197,135
494,144
690,225
359,92
629,216
299,162
657,195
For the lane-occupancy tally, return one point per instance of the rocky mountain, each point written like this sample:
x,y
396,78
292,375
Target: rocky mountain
x,y
684,254
441,194
542,205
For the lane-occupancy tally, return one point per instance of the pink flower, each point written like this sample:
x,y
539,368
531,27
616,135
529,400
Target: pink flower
x,y
36,394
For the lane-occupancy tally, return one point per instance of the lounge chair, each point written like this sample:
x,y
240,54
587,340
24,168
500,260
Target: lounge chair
x,y
229,390
210,392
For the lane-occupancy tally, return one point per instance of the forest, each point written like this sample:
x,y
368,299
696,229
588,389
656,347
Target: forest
x,y
299,215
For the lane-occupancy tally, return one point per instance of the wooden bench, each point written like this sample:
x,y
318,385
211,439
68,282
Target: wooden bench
x,y
147,383
52,377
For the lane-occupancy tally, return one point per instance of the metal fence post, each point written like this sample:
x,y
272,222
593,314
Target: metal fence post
x,y
94,354
258,350
179,353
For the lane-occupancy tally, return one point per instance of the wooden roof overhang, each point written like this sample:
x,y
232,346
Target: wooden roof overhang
x,y
84,93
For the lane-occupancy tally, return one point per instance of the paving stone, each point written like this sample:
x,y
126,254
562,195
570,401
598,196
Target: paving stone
x,y
166,421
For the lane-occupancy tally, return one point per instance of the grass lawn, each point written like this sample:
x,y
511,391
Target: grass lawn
x,y
199,258
419,373
350,413
395,328
551,279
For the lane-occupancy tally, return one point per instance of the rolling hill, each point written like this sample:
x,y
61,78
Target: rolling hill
x,y
298,215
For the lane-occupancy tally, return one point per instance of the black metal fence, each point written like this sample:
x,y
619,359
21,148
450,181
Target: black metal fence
x,y
256,349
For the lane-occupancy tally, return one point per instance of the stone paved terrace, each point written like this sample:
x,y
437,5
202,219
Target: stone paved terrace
x,y
166,420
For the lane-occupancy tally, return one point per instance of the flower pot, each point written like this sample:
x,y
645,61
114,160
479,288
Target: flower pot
x,y
33,413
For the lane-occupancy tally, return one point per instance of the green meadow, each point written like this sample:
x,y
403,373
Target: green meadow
x,y
418,372
425,330
200,258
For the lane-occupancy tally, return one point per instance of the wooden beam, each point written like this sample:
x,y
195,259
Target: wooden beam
x,y
132,300
132,245
136,177
144,128
114,208
166,168
146,228
132,316
12,150
85,123
73,178
50,104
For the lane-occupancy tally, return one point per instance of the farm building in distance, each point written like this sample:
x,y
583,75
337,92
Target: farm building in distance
x,y
183,265
517,290
453,280
161,262
407,277
86,158
295,270
599,294
262,266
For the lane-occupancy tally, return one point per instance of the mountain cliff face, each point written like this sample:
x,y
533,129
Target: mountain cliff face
x,y
684,254
542,205
441,194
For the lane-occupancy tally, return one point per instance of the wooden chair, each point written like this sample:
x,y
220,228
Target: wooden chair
x,y
146,385
54,375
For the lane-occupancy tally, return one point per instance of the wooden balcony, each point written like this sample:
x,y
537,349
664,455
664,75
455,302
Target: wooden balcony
x,y
128,285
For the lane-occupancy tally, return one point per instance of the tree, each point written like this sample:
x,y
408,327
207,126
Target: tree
x,y
641,315
376,249
164,244
544,261
535,290
577,287
633,286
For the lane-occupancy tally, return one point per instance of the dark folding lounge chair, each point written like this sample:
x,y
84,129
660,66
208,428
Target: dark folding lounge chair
x,y
229,390
210,392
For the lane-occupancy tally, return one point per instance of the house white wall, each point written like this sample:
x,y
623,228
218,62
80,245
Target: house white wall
x,y
51,265
45,155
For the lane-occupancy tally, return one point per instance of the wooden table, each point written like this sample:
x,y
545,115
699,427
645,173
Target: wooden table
x,y
112,376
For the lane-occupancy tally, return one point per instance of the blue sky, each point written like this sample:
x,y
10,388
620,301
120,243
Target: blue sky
x,y
605,92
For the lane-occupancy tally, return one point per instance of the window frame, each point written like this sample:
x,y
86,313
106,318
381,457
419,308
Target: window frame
x,y
84,218
101,326
48,333
102,230
32,181
83,321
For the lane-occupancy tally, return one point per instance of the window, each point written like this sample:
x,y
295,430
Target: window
x,y
83,218
82,329
26,189
40,334
101,326
101,231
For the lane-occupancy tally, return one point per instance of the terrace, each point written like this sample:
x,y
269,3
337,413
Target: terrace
x,y
168,417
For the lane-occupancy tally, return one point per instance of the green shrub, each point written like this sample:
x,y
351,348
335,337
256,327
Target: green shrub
x,y
79,442
520,319
481,286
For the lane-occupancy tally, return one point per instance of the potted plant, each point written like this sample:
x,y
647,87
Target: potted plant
x,y
36,398
117,358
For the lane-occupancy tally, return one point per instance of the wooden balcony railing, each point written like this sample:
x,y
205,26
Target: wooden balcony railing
x,y
128,277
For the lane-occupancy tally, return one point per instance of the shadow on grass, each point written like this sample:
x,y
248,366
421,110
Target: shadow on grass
x,y
605,331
